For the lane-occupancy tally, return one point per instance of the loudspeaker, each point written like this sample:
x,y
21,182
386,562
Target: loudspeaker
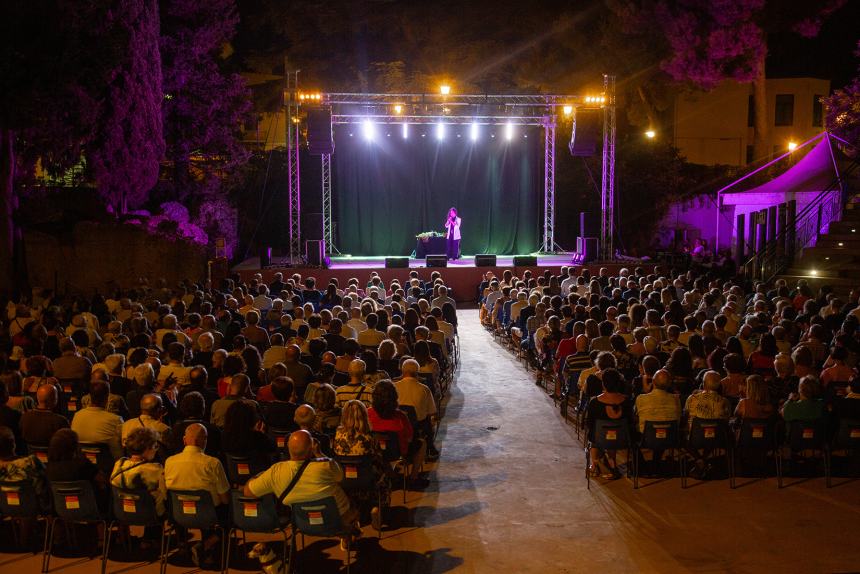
x,y
312,226
485,260
589,224
265,256
396,262
436,261
587,132
525,261
320,137
315,252
587,248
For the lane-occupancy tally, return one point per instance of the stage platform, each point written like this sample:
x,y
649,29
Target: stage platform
x,y
462,276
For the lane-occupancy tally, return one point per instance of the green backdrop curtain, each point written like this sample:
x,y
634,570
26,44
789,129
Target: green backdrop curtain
x,y
387,190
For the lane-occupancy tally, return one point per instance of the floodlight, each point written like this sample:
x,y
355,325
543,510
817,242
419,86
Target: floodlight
x,y
813,272
440,131
405,131
567,110
509,131
445,89
397,109
792,146
368,129
650,134
473,131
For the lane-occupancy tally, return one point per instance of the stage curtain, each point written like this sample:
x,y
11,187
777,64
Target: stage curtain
x,y
387,190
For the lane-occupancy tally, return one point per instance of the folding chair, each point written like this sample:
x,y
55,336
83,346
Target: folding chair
x,y
99,454
389,444
136,507
19,500
319,518
281,438
193,510
40,451
809,436
340,379
75,503
241,468
609,435
848,439
360,476
658,437
759,436
257,516
709,435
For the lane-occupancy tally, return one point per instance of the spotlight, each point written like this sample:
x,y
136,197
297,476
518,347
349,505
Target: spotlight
x,y
397,109
405,131
444,89
567,110
650,134
841,244
473,132
792,146
509,131
440,131
368,129
813,272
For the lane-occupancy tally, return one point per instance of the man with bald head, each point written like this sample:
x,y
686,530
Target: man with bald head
x,y
659,405
40,424
708,403
320,478
151,414
239,390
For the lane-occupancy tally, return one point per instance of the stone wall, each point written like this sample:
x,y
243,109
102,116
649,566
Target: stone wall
x,y
97,256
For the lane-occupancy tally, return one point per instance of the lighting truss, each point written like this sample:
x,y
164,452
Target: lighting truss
x,y
607,181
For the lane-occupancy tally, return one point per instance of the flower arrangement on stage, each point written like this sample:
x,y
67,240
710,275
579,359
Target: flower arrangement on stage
x,y
428,234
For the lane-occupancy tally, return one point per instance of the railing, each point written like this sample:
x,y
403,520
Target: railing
x,y
778,254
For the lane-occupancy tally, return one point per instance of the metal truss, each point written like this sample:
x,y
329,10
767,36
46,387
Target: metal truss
x,y
294,185
328,228
607,183
454,120
549,186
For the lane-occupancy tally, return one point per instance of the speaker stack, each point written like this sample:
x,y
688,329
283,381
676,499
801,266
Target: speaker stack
x,y
485,260
320,136
587,132
436,261
396,262
587,242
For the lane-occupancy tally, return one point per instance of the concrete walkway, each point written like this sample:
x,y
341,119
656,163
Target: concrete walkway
x,y
508,496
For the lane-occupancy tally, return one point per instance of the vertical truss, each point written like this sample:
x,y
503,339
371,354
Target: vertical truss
x,y
294,189
607,184
549,185
328,227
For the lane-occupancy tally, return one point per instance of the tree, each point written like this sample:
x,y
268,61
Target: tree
x,y
843,112
124,156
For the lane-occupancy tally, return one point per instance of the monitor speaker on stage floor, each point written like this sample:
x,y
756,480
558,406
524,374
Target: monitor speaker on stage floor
x,y
320,137
396,262
436,261
265,256
589,224
485,260
587,248
587,132
525,261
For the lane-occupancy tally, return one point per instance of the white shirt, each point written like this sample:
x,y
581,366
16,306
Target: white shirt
x,y
95,424
412,392
357,324
453,230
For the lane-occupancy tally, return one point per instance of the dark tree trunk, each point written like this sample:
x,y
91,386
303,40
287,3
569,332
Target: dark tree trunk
x,y
7,210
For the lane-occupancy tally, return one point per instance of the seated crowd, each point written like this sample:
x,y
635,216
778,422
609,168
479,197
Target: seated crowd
x,y
679,346
237,387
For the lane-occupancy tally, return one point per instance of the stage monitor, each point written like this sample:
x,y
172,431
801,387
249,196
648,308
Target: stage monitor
x,y
320,137
485,260
436,261
587,132
525,261
396,262
587,249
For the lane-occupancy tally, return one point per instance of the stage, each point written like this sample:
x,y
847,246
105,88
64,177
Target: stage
x,y
462,276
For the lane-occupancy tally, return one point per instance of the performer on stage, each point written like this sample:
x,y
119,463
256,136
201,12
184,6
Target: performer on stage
x,y
452,225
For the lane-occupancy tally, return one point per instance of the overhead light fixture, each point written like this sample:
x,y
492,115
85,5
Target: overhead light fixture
x,y
398,109
650,134
444,89
440,131
509,131
567,110
473,131
405,130
792,146
368,129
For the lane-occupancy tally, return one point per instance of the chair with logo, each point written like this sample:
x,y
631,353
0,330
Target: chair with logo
x,y
847,440
75,503
658,437
757,438
40,451
389,444
241,468
193,510
807,440
609,436
136,507
319,518
709,436
359,476
99,454
257,516
20,500
281,438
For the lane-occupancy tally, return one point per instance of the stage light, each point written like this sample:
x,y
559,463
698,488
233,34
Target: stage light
x,y
473,132
650,134
813,272
405,131
440,131
509,131
444,89
397,109
792,146
368,129
567,110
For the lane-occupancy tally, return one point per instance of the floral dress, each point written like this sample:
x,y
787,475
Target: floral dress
x,y
27,469
358,444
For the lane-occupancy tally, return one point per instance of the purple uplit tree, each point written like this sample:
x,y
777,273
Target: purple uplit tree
x,y
843,111
124,156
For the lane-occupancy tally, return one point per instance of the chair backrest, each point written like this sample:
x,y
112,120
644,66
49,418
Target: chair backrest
x,y
241,468
98,454
75,501
19,499
411,414
192,508
660,435
848,435
317,517
807,435
611,434
358,472
281,438
134,507
254,514
40,451
389,444
427,379
340,379
757,434
709,433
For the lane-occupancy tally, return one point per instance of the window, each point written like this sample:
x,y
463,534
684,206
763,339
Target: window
x,y
751,112
817,111
749,154
784,110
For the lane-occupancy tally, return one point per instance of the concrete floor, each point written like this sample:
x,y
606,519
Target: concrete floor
x,y
509,495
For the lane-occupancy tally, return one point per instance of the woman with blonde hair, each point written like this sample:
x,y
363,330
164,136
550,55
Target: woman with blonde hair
x,y
327,414
756,404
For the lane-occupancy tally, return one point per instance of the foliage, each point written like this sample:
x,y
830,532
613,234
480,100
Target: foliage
x,y
843,112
